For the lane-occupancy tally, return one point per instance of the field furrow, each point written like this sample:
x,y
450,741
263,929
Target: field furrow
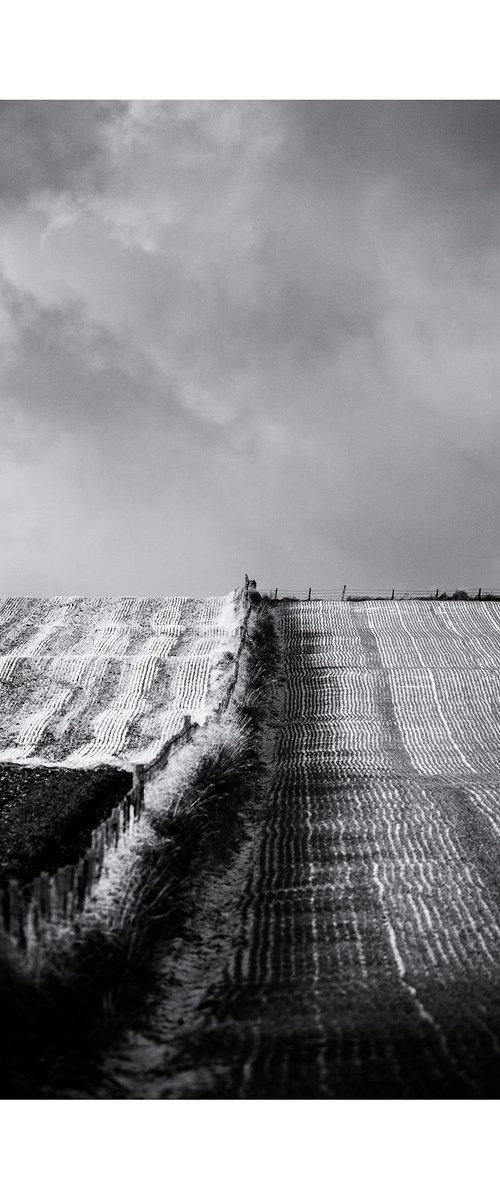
x,y
364,958
92,681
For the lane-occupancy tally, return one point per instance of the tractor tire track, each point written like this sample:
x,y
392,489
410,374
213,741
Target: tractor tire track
x,y
350,947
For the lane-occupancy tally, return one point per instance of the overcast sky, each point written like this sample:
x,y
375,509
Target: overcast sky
x,y
256,336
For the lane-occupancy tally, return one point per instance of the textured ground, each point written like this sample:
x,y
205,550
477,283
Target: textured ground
x,y
90,681
47,815
352,946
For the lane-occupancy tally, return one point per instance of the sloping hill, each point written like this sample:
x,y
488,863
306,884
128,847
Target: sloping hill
x,y
344,940
381,885
362,953
92,681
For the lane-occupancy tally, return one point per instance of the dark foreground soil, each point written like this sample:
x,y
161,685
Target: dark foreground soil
x,y
47,815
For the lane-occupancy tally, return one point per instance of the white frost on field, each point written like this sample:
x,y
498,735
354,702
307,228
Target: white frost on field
x,y
94,681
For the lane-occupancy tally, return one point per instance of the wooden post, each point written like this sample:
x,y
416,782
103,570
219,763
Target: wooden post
x,y
138,788
36,901
309,596
138,773
479,594
21,917
58,895
115,815
91,869
392,597
100,848
343,593
14,910
70,901
276,594
78,887
17,913
437,593
62,892
44,895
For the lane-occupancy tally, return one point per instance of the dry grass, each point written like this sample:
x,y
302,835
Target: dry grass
x,y
53,1027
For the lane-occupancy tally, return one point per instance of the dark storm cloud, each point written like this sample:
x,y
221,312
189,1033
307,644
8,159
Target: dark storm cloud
x,y
51,145
372,137
257,330
77,374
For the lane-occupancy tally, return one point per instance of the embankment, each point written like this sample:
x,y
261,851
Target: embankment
x,y
55,1027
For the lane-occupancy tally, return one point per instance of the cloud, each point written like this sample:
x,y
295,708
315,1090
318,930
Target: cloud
x,y
250,335
52,146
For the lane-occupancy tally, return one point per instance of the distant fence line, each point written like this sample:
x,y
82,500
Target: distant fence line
x,y
26,909
311,593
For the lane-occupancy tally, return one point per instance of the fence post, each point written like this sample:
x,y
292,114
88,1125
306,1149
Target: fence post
x,y
45,896
343,593
14,928
392,597
479,594
138,775
276,594
91,864
437,593
309,596
62,891
78,887
138,788
101,846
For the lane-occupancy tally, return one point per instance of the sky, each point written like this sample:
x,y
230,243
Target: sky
x,y
249,336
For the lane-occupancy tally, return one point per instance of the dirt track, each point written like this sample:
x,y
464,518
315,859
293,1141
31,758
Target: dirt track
x,y
350,945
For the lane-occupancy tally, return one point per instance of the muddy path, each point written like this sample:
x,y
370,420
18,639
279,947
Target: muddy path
x,y
347,944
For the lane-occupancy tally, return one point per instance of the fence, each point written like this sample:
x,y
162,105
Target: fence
x,y
312,593
25,910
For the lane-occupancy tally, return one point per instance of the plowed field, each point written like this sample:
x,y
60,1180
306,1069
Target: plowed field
x,y
86,682
353,948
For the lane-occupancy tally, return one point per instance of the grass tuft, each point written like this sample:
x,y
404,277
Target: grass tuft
x,y
55,1023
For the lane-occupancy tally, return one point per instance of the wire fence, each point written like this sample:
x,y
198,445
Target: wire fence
x,y
393,593
27,910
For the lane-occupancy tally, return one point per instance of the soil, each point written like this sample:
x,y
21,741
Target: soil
x,y
47,815
350,948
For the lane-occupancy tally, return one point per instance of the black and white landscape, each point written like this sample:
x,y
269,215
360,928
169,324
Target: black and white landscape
x,y
249,827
